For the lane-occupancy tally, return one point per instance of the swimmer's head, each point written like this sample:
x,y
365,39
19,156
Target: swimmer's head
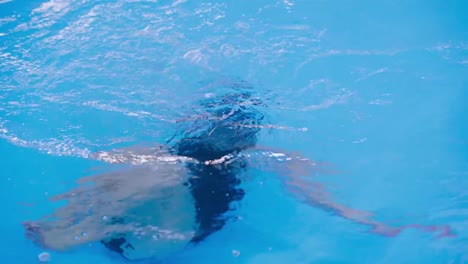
x,y
229,125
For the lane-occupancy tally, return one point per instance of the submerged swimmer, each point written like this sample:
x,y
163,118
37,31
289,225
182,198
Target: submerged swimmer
x,y
178,194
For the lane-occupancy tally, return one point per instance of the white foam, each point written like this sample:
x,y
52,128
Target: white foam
x,y
276,155
53,5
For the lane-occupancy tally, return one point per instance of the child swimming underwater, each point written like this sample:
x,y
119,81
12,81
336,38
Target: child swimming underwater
x,y
178,194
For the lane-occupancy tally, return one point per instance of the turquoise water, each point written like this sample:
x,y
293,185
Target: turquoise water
x,y
378,89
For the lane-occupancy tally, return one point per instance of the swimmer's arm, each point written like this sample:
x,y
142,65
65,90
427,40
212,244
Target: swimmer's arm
x,y
295,171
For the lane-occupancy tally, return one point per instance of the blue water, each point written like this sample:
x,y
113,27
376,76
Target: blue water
x,y
376,88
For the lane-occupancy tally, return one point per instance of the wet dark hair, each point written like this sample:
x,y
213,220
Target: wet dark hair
x,y
230,125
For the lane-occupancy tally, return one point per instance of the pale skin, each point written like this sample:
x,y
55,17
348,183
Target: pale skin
x,y
294,171
129,192
124,193
147,203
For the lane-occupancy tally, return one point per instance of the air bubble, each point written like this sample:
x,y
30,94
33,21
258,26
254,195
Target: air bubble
x,y
43,257
235,253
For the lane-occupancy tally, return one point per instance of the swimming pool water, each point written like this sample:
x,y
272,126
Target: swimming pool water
x,y
378,89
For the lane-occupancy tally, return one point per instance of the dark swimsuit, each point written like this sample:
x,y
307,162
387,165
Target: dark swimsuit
x,y
231,126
